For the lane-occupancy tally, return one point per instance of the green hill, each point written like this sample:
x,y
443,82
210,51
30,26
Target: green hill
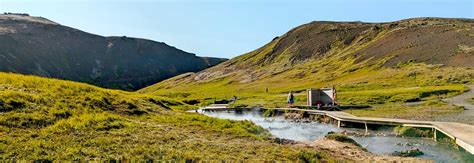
x,y
369,63
37,46
49,119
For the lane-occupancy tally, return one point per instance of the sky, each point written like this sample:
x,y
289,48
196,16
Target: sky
x,y
224,28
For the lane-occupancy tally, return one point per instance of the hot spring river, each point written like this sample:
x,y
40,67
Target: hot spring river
x,y
308,132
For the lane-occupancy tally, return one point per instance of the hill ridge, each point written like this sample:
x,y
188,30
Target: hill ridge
x,y
31,46
420,52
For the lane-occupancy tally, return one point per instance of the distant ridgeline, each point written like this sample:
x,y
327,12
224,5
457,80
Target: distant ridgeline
x,y
38,46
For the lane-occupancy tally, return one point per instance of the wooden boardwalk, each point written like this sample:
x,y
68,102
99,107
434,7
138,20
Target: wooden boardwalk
x,y
462,134
216,107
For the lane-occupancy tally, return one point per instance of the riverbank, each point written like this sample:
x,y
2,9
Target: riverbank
x,y
352,152
346,151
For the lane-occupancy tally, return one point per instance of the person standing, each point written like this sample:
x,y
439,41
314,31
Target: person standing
x,y
291,99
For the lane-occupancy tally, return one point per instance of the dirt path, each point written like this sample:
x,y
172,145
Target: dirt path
x,y
462,99
467,116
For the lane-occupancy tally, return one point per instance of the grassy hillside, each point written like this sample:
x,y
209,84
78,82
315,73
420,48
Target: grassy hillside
x,y
50,119
369,63
37,46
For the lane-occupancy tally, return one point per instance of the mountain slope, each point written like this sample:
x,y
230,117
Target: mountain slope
x,y
49,119
34,45
408,60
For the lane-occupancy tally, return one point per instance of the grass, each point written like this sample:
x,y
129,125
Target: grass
x,y
425,111
384,88
163,137
401,94
414,132
341,138
49,119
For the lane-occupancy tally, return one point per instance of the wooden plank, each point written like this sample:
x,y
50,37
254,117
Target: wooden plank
x,y
418,125
465,145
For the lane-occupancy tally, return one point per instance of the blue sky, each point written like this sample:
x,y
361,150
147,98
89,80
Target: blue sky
x,y
223,28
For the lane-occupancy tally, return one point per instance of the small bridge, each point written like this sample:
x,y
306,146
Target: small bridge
x,y
462,134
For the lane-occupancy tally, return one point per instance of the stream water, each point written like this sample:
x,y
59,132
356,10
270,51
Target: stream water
x,y
309,132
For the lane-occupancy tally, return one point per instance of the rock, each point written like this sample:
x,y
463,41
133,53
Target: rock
x,y
282,141
295,116
354,133
408,153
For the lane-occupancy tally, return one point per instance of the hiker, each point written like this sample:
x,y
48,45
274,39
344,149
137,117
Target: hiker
x,y
291,99
234,98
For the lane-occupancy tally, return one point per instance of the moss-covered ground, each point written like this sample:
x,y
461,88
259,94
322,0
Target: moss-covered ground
x,y
425,111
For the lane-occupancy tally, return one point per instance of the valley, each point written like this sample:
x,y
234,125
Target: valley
x,y
70,95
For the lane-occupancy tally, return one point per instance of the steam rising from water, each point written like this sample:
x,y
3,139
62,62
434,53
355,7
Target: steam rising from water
x,y
309,132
